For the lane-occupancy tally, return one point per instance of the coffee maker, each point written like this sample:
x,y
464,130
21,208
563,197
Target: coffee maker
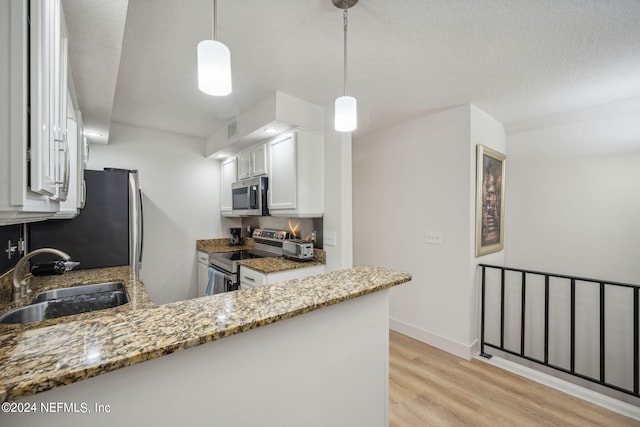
x,y
235,239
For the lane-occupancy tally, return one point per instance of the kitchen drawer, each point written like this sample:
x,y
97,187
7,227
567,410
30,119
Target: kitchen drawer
x,y
252,277
203,257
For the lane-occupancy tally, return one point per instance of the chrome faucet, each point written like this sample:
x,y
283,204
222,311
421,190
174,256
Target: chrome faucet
x,y
20,285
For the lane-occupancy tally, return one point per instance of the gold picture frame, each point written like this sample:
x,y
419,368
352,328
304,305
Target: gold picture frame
x,y
490,183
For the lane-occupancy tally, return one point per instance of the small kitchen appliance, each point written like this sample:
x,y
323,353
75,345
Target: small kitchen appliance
x,y
297,249
235,239
249,197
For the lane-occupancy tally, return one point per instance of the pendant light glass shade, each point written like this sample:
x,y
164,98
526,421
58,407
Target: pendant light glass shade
x,y
346,114
346,107
214,68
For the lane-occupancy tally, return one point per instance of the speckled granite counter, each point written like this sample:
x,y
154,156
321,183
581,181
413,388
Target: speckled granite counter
x,y
222,245
277,264
138,295
263,265
36,360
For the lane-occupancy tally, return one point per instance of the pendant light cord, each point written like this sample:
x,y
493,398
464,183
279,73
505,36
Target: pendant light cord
x,y
345,22
213,20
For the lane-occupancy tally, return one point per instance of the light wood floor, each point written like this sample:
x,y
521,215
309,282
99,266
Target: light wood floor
x,y
429,387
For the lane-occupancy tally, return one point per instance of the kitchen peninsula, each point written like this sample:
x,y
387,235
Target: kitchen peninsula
x,y
311,351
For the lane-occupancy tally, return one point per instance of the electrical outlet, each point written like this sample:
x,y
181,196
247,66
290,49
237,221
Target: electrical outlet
x,y
433,237
330,238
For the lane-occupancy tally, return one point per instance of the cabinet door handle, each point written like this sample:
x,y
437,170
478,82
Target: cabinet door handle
x,y
63,185
251,279
67,172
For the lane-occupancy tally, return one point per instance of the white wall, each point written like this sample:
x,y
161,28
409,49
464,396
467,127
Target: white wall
x,y
413,178
181,203
573,207
573,198
487,131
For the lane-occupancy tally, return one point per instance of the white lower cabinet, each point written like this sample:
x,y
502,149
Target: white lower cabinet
x,y
250,278
203,272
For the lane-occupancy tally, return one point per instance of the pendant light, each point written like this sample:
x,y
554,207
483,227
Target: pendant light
x,y
346,107
214,63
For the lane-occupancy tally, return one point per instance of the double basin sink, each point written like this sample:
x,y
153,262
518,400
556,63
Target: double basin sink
x,y
68,301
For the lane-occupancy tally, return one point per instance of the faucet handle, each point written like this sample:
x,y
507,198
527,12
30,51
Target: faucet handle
x,y
69,265
51,268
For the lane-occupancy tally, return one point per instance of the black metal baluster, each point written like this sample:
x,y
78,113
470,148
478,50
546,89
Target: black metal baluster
x,y
636,341
502,308
523,301
482,314
546,319
602,333
573,326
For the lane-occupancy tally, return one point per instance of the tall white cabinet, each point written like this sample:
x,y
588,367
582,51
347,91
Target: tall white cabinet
x,y
48,99
33,78
296,174
228,175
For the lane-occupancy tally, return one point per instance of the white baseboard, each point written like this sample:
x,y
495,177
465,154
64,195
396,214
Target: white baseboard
x,y
465,351
591,396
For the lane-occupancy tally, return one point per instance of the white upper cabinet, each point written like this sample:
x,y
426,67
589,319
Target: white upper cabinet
x,y
228,175
48,96
73,171
28,167
252,162
283,188
64,151
259,160
296,174
244,165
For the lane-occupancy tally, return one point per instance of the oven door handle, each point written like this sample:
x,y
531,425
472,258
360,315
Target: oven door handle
x,y
221,285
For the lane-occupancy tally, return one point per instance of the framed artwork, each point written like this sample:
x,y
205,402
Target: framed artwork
x,y
490,174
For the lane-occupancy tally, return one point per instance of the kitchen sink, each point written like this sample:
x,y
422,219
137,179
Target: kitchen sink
x,y
74,291
68,301
27,314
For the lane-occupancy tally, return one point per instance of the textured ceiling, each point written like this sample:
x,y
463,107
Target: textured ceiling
x,y
516,59
95,29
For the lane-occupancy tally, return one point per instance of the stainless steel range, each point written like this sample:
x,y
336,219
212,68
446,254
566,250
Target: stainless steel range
x,y
267,243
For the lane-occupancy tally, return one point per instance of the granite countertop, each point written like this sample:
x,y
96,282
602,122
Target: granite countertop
x,y
222,245
138,295
264,265
39,359
277,264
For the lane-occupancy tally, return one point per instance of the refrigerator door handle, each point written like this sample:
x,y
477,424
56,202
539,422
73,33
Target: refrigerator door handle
x,y
141,231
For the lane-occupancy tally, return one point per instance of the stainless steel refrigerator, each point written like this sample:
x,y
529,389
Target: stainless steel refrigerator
x,y
107,232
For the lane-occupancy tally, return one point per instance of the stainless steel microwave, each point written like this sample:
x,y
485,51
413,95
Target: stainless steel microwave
x,y
249,197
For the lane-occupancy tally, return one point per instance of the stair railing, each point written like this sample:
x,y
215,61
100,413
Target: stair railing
x,y
571,369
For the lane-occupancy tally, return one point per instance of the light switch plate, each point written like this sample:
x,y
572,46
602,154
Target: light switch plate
x,y
330,238
433,237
